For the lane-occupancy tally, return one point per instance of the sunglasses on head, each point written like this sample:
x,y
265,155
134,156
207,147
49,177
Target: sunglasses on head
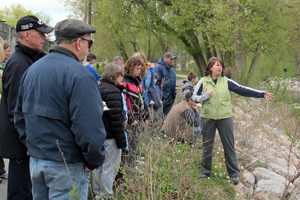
x,y
90,42
145,65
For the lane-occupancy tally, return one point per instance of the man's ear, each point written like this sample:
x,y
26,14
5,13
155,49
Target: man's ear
x,y
78,44
26,35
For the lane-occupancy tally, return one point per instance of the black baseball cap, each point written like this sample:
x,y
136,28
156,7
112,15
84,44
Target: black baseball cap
x,y
69,29
30,22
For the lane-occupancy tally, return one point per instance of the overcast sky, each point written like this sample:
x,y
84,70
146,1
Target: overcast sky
x,y
53,7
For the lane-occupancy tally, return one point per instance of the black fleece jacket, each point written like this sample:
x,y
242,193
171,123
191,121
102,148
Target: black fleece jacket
x,y
18,63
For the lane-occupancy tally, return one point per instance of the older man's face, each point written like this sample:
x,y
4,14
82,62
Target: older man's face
x,y
36,39
84,47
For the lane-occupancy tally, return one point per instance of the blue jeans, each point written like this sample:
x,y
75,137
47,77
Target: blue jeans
x,y
197,132
19,184
52,180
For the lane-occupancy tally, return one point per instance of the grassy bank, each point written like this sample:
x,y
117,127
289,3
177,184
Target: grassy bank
x,y
171,170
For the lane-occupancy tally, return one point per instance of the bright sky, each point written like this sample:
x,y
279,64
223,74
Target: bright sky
x,y
53,7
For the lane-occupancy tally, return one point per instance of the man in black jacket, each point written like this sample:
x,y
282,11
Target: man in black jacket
x,y
31,32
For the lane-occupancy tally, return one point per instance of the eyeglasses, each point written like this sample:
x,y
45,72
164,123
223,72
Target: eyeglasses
x,y
138,68
7,51
90,42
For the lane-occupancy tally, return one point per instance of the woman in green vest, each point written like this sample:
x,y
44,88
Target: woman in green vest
x,y
213,91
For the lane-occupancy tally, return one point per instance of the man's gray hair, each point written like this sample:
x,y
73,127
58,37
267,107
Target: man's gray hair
x,y
20,34
117,58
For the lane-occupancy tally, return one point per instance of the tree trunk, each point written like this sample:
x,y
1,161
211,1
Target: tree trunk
x,y
296,64
121,48
194,49
218,53
240,60
208,50
227,59
200,62
253,63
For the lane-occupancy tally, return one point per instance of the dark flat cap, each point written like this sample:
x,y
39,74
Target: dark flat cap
x,y
169,55
30,22
69,29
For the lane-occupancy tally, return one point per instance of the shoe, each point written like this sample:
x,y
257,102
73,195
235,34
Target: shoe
x,y
0,180
137,170
140,157
140,162
163,134
4,175
235,180
120,181
202,175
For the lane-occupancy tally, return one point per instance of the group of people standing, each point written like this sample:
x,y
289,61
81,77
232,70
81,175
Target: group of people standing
x,y
55,130
53,127
130,92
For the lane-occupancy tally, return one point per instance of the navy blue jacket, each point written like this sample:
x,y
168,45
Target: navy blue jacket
x,y
18,63
166,79
59,101
154,95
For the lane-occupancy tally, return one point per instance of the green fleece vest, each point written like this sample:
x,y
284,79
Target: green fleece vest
x,y
219,105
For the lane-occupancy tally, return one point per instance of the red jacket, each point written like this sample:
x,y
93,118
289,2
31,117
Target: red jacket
x,y
133,94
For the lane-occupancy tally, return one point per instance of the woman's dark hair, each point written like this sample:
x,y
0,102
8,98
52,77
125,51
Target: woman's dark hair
x,y
111,72
131,64
90,57
211,63
228,72
188,95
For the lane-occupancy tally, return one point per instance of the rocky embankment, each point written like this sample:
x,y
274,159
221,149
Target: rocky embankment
x,y
267,149
290,83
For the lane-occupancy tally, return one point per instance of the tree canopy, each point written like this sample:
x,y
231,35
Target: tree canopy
x,y
237,31
13,13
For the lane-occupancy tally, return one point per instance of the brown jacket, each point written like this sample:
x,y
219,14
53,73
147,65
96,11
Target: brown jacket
x,y
176,126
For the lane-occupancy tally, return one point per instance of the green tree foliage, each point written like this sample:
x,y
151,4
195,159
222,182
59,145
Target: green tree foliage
x,y
238,31
292,16
13,13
